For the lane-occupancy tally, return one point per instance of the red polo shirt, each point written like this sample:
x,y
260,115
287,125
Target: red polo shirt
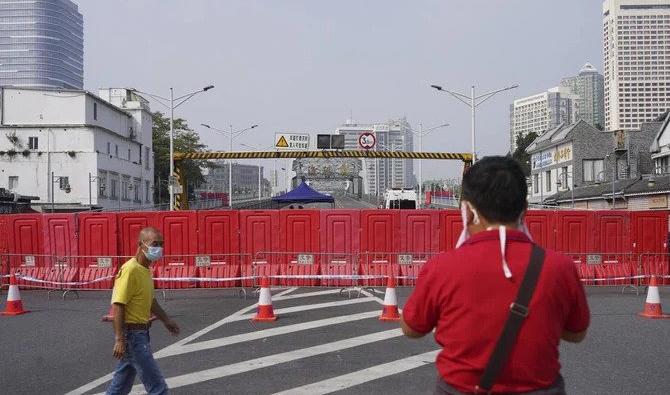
x,y
464,295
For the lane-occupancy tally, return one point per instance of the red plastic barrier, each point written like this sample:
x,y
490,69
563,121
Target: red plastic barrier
x,y
220,271
34,272
337,267
655,264
180,236
60,234
218,232
611,232
574,231
175,272
418,231
260,269
451,226
649,231
586,272
377,267
410,270
129,226
25,237
340,231
97,237
92,273
259,230
61,275
293,268
380,230
299,233
541,226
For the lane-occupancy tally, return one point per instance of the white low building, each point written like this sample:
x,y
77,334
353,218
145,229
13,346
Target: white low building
x,y
73,149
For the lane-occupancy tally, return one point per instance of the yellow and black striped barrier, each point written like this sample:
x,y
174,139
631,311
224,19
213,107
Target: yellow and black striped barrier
x,y
465,157
181,199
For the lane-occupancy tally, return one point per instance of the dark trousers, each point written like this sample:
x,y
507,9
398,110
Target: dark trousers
x,y
558,388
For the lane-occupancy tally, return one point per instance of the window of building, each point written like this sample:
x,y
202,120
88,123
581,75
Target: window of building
x,y
548,179
536,183
146,158
95,110
102,184
137,191
13,182
116,150
32,142
125,189
128,153
114,186
109,148
146,190
662,165
593,170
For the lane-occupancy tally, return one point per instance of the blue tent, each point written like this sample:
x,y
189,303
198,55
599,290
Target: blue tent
x,y
303,194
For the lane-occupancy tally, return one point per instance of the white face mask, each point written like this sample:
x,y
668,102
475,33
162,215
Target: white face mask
x,y
465,235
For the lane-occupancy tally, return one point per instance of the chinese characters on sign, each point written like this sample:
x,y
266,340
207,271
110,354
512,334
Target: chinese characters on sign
x,y
552,156
292,141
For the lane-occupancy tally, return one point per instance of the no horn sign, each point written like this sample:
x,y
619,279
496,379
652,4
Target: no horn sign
x,y
367,140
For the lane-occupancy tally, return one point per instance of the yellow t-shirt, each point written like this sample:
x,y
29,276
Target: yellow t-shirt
x,y
134,288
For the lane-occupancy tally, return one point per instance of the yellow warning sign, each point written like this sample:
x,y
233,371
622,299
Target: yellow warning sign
x,y
291,141
282,143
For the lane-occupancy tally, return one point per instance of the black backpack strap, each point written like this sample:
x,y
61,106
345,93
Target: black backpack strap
x,y
518,311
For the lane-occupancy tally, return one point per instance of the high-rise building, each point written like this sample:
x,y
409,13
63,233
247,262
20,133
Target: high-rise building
x,y
589,86
381,174
541,112
636,51
41,44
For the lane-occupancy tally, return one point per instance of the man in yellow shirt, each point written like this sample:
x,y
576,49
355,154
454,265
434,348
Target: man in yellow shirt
x,y
133,303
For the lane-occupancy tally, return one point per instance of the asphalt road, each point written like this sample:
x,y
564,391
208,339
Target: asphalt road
x,y
322,342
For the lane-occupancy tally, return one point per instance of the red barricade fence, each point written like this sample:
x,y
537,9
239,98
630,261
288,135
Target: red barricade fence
x,y
655,265
295,269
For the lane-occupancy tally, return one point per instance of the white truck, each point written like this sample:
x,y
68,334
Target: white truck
x,y
400,198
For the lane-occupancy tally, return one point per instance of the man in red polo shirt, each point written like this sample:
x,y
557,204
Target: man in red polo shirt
x,y
465,294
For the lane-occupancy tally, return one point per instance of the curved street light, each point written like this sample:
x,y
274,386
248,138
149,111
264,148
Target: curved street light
x,y
170,104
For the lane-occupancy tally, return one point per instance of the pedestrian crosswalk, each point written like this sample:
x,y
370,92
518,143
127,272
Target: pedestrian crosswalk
x,y
322,343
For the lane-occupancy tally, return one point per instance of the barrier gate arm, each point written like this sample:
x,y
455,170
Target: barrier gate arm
x,y
181,199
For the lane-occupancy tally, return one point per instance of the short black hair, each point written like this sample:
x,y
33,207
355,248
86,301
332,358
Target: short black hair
x,y
496,186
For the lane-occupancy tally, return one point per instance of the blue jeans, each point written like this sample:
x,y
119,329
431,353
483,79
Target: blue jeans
x,y
138,359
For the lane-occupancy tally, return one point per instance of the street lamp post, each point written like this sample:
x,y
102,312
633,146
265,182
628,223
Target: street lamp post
x,y
559,183
66,188
232,135
473,102
92,178
170,104
422,133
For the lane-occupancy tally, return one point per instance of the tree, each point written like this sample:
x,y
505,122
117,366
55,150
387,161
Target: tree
x,y
185,140
520,154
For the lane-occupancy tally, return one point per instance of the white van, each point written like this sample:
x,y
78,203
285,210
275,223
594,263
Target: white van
x,y
399,198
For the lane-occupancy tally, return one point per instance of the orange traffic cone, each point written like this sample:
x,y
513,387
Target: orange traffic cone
x,y
109,317
652,307
14,304
390,309
264,311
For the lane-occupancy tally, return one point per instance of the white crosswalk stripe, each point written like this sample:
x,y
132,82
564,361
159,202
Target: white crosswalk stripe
x,y
287,335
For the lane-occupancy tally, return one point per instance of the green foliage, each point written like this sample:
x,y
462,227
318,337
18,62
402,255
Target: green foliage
x,y
185,140
520,154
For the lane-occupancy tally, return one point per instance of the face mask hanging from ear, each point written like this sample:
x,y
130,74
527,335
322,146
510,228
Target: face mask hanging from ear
x,y
502,231
464,218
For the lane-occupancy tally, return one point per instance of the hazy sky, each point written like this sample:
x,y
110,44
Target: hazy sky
x,y
303,66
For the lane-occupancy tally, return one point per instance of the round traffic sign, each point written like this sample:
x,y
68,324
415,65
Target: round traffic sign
x,y
367,140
